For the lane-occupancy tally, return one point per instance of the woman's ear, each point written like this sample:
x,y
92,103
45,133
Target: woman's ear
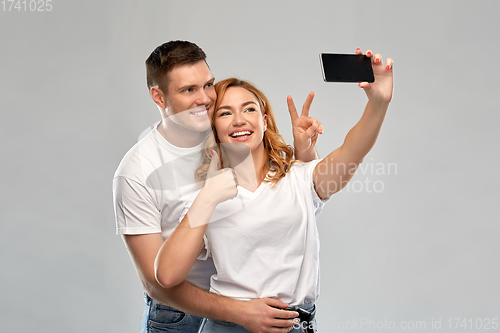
x,y
265,122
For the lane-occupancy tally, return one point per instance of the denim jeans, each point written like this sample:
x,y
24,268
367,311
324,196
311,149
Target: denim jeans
x,y
160,318
216,326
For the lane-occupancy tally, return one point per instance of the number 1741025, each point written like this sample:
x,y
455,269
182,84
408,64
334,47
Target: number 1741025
x,y
26,5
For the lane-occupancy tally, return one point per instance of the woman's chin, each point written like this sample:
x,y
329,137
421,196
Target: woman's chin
x,y
236,147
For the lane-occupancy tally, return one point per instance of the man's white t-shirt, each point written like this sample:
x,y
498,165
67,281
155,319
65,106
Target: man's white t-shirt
x,y
265,243
151,188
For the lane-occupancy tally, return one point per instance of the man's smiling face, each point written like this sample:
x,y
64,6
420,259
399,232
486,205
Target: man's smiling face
x,y
190,96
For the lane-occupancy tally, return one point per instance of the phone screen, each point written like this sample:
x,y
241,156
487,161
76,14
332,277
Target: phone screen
x,y
346,67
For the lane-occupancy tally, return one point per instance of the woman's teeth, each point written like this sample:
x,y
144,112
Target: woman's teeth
x,y
238,134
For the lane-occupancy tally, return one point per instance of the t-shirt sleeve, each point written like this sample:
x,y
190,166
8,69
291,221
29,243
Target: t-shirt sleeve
x,y
205,253
135,210
309,177
308,174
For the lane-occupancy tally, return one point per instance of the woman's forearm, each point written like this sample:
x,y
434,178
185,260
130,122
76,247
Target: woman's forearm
x,y
362,137
336,170
179,252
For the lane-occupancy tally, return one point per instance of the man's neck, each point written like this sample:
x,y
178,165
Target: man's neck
x,y
180,136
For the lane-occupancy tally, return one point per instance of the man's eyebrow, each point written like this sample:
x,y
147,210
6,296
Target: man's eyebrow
x,y
189,86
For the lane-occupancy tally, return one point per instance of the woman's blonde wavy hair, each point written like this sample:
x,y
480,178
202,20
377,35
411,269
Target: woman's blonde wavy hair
x,y
279,155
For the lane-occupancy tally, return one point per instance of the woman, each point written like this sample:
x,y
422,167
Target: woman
x,y
264,240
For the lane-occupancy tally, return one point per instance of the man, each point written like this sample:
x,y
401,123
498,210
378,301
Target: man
x,y
156,177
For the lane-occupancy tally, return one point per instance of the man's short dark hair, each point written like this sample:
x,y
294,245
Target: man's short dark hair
x,y
167,56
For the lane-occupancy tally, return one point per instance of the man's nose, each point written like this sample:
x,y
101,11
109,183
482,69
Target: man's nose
x,y
203,98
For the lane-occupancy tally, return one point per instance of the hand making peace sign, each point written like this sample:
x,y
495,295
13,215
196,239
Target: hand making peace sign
x,y
305,129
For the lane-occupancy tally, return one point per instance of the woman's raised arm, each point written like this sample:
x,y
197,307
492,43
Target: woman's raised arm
x,y
336,170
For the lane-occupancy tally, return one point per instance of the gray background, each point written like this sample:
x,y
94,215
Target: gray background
x,y
74,100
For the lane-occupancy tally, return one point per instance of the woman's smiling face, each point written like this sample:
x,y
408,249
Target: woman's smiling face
x,y
239,119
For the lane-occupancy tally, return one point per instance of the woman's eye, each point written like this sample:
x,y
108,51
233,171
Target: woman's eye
x,y
223,114
250,110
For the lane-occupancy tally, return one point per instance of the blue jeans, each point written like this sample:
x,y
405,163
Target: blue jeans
x,y
220,326
160,318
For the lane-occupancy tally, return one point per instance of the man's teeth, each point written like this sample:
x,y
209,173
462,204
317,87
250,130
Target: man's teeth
x,y
200,113
236,134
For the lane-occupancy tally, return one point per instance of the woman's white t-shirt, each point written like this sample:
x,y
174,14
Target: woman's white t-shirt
x,y
265,243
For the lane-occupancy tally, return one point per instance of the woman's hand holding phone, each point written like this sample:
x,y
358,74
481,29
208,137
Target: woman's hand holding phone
x,y
379,91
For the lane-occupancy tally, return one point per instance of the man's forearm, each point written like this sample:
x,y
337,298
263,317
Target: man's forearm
x,y
193,300
257,315
184,296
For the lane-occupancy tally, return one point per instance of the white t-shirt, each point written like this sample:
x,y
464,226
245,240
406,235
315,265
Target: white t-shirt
x,y
151,187
265,243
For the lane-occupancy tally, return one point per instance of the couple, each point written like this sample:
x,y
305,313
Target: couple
x,y
269,248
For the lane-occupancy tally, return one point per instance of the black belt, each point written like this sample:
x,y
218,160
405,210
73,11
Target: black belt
x,y
306,318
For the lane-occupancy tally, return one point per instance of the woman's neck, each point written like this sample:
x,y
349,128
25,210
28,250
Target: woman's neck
x,y
250,171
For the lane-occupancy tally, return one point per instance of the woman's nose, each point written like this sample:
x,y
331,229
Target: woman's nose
x,y
239,119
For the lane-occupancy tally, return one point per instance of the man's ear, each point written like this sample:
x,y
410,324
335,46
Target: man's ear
x,y
158,97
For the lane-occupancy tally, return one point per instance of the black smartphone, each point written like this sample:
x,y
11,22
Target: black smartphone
x,y
346,67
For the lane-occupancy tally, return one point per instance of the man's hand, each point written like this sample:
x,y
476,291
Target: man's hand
x,y
265,315
305,130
